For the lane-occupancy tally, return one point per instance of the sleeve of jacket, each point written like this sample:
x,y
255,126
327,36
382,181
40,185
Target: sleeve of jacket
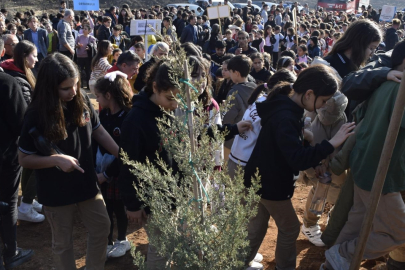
x,y
340,162
299,157
12,109
131,143
231,115
184,35
361,84
46,39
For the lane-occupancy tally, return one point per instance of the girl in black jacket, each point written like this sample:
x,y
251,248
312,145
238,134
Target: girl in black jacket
x,y
281,152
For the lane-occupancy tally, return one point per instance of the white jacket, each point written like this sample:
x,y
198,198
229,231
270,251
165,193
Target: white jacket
x,y
244,143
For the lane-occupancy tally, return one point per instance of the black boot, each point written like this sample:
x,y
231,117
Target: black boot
x,y
21,256
395,265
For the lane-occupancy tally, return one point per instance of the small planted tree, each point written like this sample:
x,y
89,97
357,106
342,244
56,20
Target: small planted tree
x,y
200,213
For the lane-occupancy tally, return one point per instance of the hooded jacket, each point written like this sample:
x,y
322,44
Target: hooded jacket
x,y
140,139
11,69
280,153
239,105
325,125
391,38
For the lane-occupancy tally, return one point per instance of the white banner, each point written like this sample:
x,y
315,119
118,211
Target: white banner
x,y
388,13
141,27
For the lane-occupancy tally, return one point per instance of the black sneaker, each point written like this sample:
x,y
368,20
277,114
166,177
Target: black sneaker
x,y
21,256
394,265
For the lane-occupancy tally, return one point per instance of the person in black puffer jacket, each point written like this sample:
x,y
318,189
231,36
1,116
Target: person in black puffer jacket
x,y
24,59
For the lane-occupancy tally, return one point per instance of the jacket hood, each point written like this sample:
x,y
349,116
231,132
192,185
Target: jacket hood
x,y
143,101
279,103
334,109
9,64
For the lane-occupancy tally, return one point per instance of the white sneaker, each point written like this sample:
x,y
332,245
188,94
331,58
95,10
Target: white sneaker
x,y
119,249
313,234
258,258
255,266
37,206
31,216
109,248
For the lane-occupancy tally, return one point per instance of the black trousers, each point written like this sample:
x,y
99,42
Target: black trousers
x,y
10,172
275,59
117,207
84,65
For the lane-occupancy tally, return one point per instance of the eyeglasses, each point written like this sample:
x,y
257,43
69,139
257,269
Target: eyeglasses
x,y
11,44
243,38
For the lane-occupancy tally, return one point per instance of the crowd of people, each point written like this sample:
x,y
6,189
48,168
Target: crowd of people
x,y
283,64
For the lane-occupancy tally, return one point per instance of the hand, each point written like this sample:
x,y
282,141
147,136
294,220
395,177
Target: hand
x,y
72,52
101,178
67,163
308,136
320,170
244,126
79,45
87,48
137,217
344,132
238,51
394,75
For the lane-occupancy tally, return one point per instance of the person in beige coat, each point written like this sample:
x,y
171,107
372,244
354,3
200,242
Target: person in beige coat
x,y
325,125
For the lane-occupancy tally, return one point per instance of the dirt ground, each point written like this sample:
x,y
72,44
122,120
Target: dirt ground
x,y
38,237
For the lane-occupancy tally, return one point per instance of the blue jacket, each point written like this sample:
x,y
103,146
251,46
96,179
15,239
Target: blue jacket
x,y
43,41
189,34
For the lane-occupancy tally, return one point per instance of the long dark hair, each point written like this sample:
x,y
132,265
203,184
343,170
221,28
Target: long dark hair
x,y
54,70
119,89
357,37
163,75
102,51
196,63
21,51
282,75
319,78
265,30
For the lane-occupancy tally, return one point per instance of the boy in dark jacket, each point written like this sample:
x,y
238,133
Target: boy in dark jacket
x,y
104,32
391,36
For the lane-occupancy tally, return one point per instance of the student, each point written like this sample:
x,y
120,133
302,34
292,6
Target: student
x,y
84,44
226,84
258,43
67,182
239,68
116,38
387,232
276,45
228,39
290,39
286,62
302,55
99,64
140,51
280,153
116,54
115,99
104,31
243,144
268,40
326,124
20,67
313,48
259,72
353,49
140,140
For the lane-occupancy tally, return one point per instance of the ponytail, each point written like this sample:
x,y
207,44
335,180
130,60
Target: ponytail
x,y
282,88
